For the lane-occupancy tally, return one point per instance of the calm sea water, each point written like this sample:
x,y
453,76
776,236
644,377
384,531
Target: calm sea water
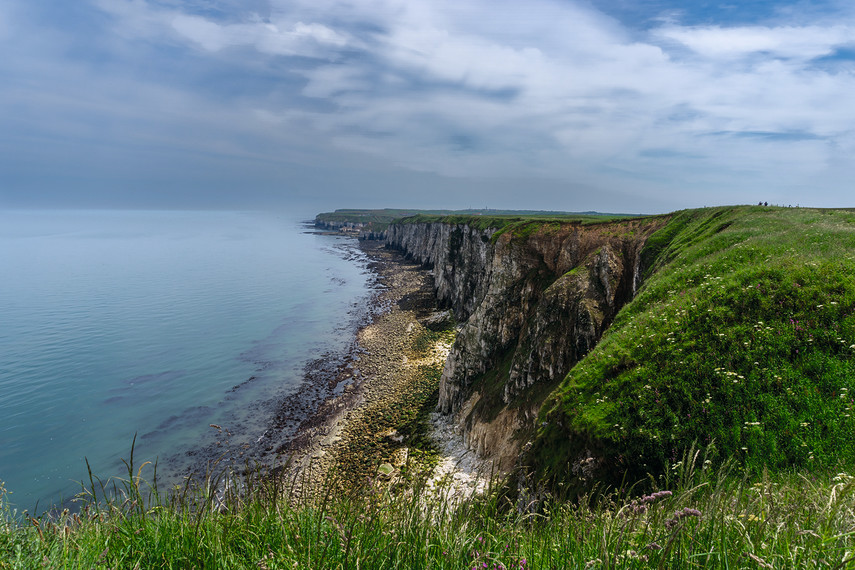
x,y
116,323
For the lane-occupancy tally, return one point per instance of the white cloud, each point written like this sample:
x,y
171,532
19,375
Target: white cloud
x,y
209,35
545,88
582,98
300,39
139,18
799,42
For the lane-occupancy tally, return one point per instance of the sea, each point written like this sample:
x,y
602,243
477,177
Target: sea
x,y
171,331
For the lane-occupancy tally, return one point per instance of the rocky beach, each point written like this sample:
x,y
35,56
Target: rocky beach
x,y
370,412
379,418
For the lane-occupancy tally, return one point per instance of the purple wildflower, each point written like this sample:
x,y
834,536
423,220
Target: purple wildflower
x,y
680,515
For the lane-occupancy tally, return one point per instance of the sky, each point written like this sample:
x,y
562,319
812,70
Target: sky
x,y
637,106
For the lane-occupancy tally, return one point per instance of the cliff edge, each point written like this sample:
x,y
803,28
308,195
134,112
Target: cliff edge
x,y
596,351
533,298
601,353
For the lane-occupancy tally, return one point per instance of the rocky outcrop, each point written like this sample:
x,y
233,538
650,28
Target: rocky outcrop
x,y
533,300
372,234
363,230
338,226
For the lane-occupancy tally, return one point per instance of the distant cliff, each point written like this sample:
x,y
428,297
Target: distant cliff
x,y
534,297
363,230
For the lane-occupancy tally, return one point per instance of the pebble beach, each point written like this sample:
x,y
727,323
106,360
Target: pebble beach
x,y
385,376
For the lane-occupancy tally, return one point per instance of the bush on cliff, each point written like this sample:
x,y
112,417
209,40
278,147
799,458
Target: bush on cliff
x,y
742,335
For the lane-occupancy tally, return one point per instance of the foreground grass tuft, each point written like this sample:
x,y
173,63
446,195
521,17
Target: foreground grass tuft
x,y
695,517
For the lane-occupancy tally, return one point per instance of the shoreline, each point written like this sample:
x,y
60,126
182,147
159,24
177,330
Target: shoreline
x,y
373,371
260,434
386,374
329,424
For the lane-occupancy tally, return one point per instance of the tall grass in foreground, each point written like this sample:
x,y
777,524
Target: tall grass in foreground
x,y
697,519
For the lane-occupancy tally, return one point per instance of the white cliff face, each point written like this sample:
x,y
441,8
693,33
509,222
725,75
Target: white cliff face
x,y
460,257
534,303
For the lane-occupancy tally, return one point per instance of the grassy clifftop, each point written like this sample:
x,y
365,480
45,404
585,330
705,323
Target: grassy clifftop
x,y
379,220
513,221
742,335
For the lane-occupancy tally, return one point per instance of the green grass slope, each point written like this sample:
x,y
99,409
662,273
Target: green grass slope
x,y
743,335
379,220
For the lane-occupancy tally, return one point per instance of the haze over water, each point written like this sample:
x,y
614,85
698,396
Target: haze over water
x,y
156,323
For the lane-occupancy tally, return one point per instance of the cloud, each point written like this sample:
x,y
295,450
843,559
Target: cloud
x,y
312,40
541,90
796,42
270,36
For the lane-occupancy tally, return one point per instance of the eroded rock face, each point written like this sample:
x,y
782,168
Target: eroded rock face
x,y
572,314
460,257
539,301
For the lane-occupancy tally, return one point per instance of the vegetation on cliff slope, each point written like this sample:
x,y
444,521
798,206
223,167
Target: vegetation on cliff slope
x,y
743,336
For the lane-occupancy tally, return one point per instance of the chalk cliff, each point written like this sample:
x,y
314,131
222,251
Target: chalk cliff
x,y
533,299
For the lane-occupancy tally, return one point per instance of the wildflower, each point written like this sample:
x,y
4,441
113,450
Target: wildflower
x,y
680,515
656,496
